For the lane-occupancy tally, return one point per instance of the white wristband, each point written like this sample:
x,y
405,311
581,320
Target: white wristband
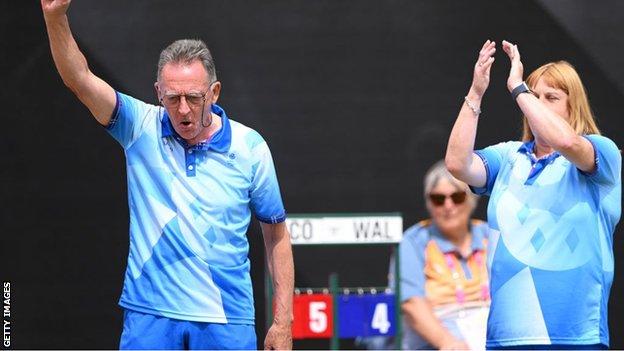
x,y
475,110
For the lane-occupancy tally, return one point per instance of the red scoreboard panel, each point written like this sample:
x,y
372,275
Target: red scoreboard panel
x,y
313,316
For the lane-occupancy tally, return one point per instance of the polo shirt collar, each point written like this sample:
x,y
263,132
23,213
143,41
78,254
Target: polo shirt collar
x,y
219,142
528,147
447,246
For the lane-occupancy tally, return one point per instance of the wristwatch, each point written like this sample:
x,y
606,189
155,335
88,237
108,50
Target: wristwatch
x,y
522,88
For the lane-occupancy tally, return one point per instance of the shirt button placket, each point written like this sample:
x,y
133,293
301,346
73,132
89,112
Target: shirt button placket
x,y
190,163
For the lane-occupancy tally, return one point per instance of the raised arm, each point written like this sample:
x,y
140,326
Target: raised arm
x,y
545,124
280,261
460,159
93,92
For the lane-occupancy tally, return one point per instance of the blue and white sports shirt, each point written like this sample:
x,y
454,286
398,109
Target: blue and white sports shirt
x,y
190,207
552,248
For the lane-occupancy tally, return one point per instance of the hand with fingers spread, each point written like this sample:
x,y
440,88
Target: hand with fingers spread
x,y
459,156
54,8
481,76
517,69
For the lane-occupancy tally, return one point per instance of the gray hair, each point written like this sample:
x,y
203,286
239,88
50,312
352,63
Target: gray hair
x,y
186,51
438,171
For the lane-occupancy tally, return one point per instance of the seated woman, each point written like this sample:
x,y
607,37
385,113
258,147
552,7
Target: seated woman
x,y
443,274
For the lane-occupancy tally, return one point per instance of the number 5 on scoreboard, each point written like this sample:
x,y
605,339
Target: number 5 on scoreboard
x,y
318,317
380,318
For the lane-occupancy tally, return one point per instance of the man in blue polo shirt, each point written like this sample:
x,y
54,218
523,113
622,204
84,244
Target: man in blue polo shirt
x,y
194,178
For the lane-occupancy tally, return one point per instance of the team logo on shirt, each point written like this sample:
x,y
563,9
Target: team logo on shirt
x,y
545,230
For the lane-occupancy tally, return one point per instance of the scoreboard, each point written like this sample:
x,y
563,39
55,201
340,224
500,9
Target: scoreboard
x,y
359,315
332,312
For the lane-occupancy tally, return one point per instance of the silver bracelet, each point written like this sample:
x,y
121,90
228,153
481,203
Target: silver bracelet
x,y
475,110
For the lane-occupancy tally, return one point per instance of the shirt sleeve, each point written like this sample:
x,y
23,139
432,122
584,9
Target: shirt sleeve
x,y
412,265
266,201
608,161
128,119
492,157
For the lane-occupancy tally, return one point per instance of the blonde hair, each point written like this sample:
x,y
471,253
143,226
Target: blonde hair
x,y
562,75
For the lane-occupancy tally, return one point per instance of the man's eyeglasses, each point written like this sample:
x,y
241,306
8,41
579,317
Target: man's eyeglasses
x,y
438,199
192,99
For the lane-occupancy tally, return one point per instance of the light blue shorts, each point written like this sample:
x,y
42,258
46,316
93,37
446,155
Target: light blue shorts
x,y
148,331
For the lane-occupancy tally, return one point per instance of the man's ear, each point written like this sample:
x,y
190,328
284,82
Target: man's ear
x,y
216,90
157,91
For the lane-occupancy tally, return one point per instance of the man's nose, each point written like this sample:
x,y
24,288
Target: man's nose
x,y
184,107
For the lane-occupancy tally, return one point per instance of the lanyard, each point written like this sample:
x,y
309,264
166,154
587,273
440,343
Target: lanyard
x,y
481,275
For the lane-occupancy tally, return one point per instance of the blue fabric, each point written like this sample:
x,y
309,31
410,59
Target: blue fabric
x,y
537,165
188,257
219,142
552,264
492,157
143,331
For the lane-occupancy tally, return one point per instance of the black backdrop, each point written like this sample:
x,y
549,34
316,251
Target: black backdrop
x,y
356,100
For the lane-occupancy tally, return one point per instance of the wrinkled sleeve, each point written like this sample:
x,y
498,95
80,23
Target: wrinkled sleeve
x,y
266,200
492,157
412,266
128,119
608,161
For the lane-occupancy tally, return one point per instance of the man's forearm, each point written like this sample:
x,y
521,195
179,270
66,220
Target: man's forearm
x,y
93,92
281,261
70,62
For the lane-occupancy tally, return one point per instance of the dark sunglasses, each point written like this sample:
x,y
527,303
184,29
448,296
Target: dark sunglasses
x,y
438,199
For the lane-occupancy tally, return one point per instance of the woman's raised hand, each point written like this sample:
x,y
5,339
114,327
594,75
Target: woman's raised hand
x,y
481,76
517,69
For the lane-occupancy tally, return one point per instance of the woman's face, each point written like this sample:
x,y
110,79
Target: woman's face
x,y
554,99
451,213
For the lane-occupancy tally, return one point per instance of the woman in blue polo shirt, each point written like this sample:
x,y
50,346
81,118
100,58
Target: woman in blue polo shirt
x,y
555,198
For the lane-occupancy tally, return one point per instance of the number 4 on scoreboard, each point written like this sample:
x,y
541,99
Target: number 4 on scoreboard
x,y
380,318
